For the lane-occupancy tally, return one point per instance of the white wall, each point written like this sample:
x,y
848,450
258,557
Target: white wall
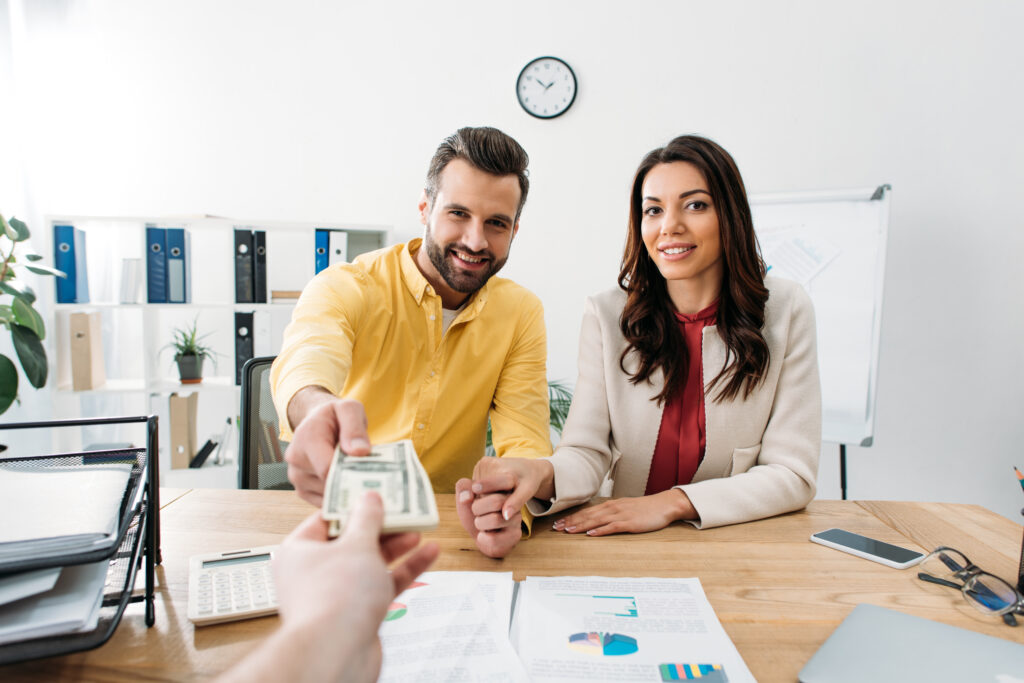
x,y
330,111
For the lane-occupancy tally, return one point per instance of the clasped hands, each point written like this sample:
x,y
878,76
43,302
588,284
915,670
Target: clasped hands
x,y
489,505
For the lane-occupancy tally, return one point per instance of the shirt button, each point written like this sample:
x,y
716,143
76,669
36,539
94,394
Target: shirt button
x,y
432,317
432,373
421,426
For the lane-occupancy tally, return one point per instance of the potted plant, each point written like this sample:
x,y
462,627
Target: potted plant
x,y
190,352
19,315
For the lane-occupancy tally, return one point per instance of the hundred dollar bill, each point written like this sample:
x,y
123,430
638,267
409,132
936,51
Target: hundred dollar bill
x,y
394,471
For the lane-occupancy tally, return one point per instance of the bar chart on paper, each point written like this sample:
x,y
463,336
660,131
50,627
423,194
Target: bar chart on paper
x,y
605,605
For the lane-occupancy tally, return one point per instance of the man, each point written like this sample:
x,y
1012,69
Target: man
x,y
333,597
420,341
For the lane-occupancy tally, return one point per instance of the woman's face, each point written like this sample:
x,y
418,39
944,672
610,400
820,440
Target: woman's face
x,y
679,226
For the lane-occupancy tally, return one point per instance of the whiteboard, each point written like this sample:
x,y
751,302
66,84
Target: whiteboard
x,y
833,243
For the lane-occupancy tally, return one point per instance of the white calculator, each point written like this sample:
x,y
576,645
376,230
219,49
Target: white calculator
x,y
231,586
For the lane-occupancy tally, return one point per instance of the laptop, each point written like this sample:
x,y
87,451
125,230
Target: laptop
x,y
878,644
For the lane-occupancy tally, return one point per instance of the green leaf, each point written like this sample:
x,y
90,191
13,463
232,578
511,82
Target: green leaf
x,y
46,270
18,289
33,257
27,316
8,383
20,229
10,232
6,314
31,354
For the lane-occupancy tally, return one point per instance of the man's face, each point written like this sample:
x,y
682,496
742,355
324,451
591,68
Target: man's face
x,y
470,226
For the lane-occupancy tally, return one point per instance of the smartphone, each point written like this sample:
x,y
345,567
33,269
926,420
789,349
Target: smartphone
x,y
877,551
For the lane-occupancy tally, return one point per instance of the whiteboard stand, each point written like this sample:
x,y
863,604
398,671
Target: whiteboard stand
x,y
833,243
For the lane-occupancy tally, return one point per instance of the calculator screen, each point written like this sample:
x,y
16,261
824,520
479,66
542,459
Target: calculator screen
x,y
207,564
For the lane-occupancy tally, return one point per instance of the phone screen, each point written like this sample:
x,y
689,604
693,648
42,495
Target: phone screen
x,y
869,545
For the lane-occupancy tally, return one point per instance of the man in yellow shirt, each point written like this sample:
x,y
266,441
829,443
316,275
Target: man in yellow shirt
x,y
418,341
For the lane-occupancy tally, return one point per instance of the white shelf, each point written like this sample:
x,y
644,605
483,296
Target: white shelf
x,y
172,307
136,335
112,386
168,385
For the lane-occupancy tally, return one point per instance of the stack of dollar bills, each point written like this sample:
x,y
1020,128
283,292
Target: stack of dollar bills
x,y
394,471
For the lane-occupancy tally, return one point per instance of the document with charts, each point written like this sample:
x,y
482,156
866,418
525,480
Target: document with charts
x,y
615,629
455,626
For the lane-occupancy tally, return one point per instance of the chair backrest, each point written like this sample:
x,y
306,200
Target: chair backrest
x,y
261,452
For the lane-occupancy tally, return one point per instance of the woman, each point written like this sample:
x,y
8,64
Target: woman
x,y
698,390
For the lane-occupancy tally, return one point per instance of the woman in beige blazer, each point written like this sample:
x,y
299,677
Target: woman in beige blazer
x,y
731,438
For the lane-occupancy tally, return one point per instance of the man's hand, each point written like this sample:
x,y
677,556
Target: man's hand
x,y
332,597
630,515
321,421
340,590
489,505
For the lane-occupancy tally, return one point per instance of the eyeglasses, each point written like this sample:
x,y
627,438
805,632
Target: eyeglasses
x,y
986,592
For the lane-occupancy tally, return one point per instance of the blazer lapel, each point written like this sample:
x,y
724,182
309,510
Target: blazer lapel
x,y
635,412
716,459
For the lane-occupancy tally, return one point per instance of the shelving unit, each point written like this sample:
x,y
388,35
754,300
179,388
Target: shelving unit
x,y
140,371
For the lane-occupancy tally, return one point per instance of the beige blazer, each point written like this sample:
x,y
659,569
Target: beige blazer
x,y
761,455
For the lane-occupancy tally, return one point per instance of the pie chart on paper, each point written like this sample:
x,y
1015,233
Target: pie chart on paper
x,y
397,610
601,644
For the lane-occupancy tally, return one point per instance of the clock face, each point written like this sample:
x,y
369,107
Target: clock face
x,y
546,87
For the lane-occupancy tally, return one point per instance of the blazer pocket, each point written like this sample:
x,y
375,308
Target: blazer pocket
x,y
742,460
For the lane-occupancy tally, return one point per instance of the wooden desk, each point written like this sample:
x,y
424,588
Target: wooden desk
x,y
778,595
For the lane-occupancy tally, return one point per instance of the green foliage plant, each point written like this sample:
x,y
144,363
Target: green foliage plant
x,y
188,342
19,314
559,400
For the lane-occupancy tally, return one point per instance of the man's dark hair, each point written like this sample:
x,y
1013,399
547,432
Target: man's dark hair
x,y
487,149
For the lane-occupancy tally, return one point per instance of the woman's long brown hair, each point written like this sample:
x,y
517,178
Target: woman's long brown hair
x,y
648,322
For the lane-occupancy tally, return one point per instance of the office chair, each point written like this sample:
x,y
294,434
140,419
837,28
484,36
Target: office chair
x,y
261,452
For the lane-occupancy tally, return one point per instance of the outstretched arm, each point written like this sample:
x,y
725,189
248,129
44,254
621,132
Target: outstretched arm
x,y
333,596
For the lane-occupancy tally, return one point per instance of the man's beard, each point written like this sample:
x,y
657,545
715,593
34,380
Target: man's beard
x,y
454,277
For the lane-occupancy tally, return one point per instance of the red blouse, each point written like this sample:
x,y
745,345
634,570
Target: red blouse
x,y
681,438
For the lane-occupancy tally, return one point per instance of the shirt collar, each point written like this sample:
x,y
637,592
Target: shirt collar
x,y
411,275
419,287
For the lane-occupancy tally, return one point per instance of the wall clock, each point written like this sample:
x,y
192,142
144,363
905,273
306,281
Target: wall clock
x,y
546,87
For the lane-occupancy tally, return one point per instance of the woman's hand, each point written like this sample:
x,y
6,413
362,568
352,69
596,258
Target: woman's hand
x,y
630,515
489,505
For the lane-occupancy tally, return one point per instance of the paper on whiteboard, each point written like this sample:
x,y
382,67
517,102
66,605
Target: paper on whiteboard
x,y
618,629
796,252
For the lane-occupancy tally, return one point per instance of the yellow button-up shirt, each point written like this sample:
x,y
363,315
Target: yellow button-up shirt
x,y
372,331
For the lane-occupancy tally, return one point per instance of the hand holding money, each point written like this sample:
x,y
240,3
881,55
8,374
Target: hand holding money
x,y
394,471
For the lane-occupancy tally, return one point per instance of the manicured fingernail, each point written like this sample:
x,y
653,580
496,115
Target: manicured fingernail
x,y
590,533
465,496
570,528
359,443
506,514
477,488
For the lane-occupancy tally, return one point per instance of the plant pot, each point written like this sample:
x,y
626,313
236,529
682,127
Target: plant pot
x,y
190,369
